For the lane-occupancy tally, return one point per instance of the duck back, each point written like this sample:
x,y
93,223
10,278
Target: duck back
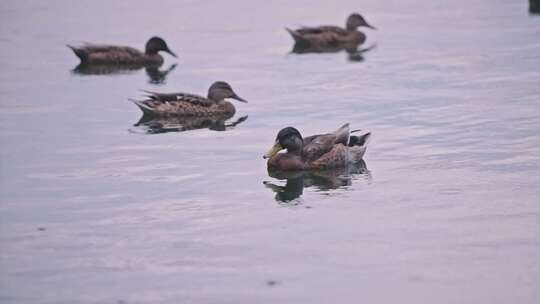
x,y
327,36
110,54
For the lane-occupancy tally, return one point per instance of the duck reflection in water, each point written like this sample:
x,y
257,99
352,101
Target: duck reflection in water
x,y
353,53
155,74
322,180
157,125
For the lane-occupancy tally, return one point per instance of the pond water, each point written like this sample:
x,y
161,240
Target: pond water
x,y
96,208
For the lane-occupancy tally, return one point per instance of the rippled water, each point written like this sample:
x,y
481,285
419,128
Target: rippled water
x,y
445,210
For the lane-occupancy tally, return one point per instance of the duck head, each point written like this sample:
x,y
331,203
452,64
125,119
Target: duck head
x,y
220,90
356,20
156,44
288,138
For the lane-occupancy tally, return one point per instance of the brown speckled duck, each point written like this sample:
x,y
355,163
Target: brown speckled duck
x,y
185,104
324,151
123,55
332,35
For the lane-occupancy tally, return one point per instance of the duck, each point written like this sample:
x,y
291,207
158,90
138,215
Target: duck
x,y
323,151
186,104
123,55
329,35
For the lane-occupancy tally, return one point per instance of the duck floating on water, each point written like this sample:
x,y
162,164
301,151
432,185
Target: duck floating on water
x,y
324,151
329,35
123,55
185,104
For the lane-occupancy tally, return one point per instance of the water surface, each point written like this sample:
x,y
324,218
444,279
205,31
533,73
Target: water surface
x,y
97,210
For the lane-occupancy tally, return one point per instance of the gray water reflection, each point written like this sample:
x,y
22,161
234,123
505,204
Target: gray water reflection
x,y
322,180
154,73
353,53
157,125
92,213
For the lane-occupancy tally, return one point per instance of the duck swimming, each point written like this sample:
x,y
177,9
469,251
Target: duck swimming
x,y
123,55
185,104
329,35
324,151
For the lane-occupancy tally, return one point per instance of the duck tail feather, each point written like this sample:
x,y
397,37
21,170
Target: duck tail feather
x,y
150,94
83,56
360,141
358,147
146,91
342,134
144,108
295,35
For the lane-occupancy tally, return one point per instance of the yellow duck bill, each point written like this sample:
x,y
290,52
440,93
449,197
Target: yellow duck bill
x,y
273,151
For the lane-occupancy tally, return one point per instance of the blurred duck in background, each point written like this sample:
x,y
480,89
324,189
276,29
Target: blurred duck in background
x,y
91,54
331,36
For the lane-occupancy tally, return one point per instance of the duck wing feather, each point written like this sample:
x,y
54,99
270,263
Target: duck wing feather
x,y
101,53
174,104
105,48
317,145
323,29
337,156
180,97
